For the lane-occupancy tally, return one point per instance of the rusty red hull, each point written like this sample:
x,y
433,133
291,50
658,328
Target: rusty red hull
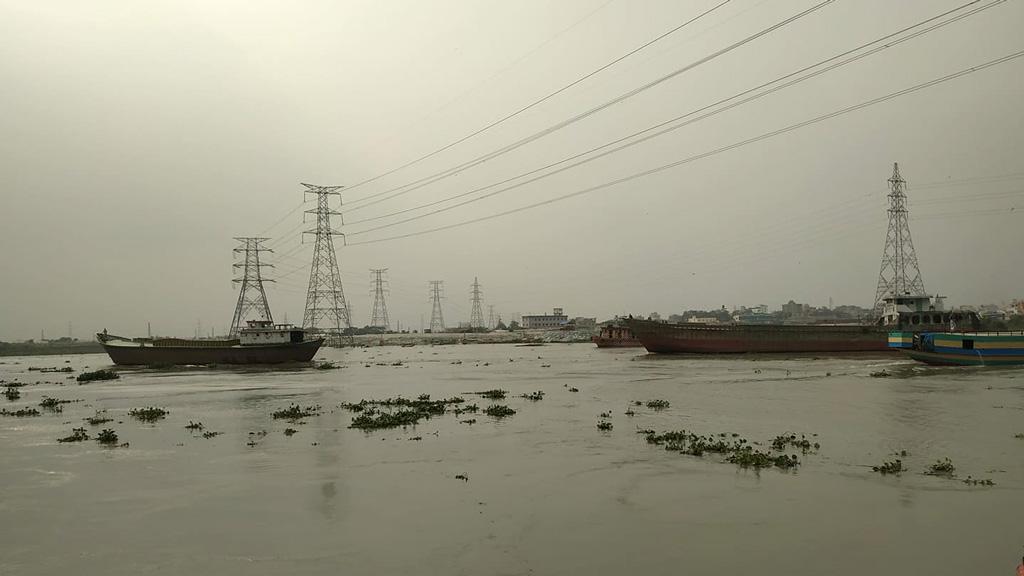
x,y
617,342
661,337
181,355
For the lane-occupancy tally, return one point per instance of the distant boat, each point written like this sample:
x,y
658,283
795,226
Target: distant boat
x,y
962,348
262,342
615,336
912,313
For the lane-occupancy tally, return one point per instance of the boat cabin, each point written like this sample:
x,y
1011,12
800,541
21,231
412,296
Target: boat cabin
x,y
266,332
921,312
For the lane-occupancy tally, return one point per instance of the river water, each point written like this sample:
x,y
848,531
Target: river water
x,y
547,492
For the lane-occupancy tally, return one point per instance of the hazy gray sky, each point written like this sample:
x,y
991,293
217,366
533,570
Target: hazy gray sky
x,y
140,137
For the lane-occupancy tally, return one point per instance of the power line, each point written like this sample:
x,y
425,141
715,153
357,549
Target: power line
x,y
417,184
539,101
662,168
668,123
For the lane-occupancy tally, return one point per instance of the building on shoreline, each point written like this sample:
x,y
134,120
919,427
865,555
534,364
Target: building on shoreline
x,y
556,319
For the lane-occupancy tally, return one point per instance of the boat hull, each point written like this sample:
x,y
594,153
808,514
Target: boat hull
x,y
667,338
958,359
617,342
180,355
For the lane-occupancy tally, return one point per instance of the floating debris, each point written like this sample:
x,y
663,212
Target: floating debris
x,y
942,467
463,477
289,431
629,412
194,425
295,412
1019,436
979,482
377,420
97,375
894,467
604,426
148,414
538,395
605,415
77,435
107,436
471,421
499,411
880,374
211,434
20,413
471,408
574,389
327,366
416,438
12,393
658,404
750,458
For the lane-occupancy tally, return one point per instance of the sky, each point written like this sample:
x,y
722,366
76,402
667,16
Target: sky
x,y
140,138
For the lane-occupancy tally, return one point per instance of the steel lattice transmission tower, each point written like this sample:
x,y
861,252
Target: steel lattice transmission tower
x,y
326,308
436,315
490,317
251,296
379,317
476,313
899,274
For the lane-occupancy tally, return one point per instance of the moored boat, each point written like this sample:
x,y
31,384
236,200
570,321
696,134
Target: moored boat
x,y
911,313
962,348
261,342
616,336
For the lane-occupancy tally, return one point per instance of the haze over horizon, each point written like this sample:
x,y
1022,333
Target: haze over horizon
x,y
140,138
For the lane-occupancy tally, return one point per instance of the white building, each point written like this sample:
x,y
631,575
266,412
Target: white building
x,y
545,321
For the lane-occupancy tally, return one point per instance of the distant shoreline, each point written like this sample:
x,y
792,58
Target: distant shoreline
x,y
48,349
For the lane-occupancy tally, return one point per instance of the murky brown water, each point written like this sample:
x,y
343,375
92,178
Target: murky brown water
x,y
548,493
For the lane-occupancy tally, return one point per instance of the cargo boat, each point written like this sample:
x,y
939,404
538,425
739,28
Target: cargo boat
x,y
962,348
615,336
913,313
261,342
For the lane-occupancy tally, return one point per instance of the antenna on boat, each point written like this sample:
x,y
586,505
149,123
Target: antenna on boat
x,y
251,296
899,274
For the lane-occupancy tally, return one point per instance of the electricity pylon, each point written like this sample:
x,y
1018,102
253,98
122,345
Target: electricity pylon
x,y
436,315
251,296
326,309
899,274
490,317
379,317
476,313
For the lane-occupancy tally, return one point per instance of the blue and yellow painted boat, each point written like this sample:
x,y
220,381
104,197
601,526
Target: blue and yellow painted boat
x,y
961,348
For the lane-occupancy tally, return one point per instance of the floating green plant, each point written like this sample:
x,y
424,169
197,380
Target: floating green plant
x,y
107,436
574,389
463,477
327,366
53,404
12,393
399,418
737,450
535,396
499,411
296,412
880,374
470,421
658,404
148,414
978,482
495,394
289,431
211,434
785,440
604,426
747,457
942,467
894,467
77,435
1019,436
99,418
194,425
98,375
20,413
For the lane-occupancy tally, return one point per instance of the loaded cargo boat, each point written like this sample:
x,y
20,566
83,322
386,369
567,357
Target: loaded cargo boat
x,y
961,348
260,342
913,313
